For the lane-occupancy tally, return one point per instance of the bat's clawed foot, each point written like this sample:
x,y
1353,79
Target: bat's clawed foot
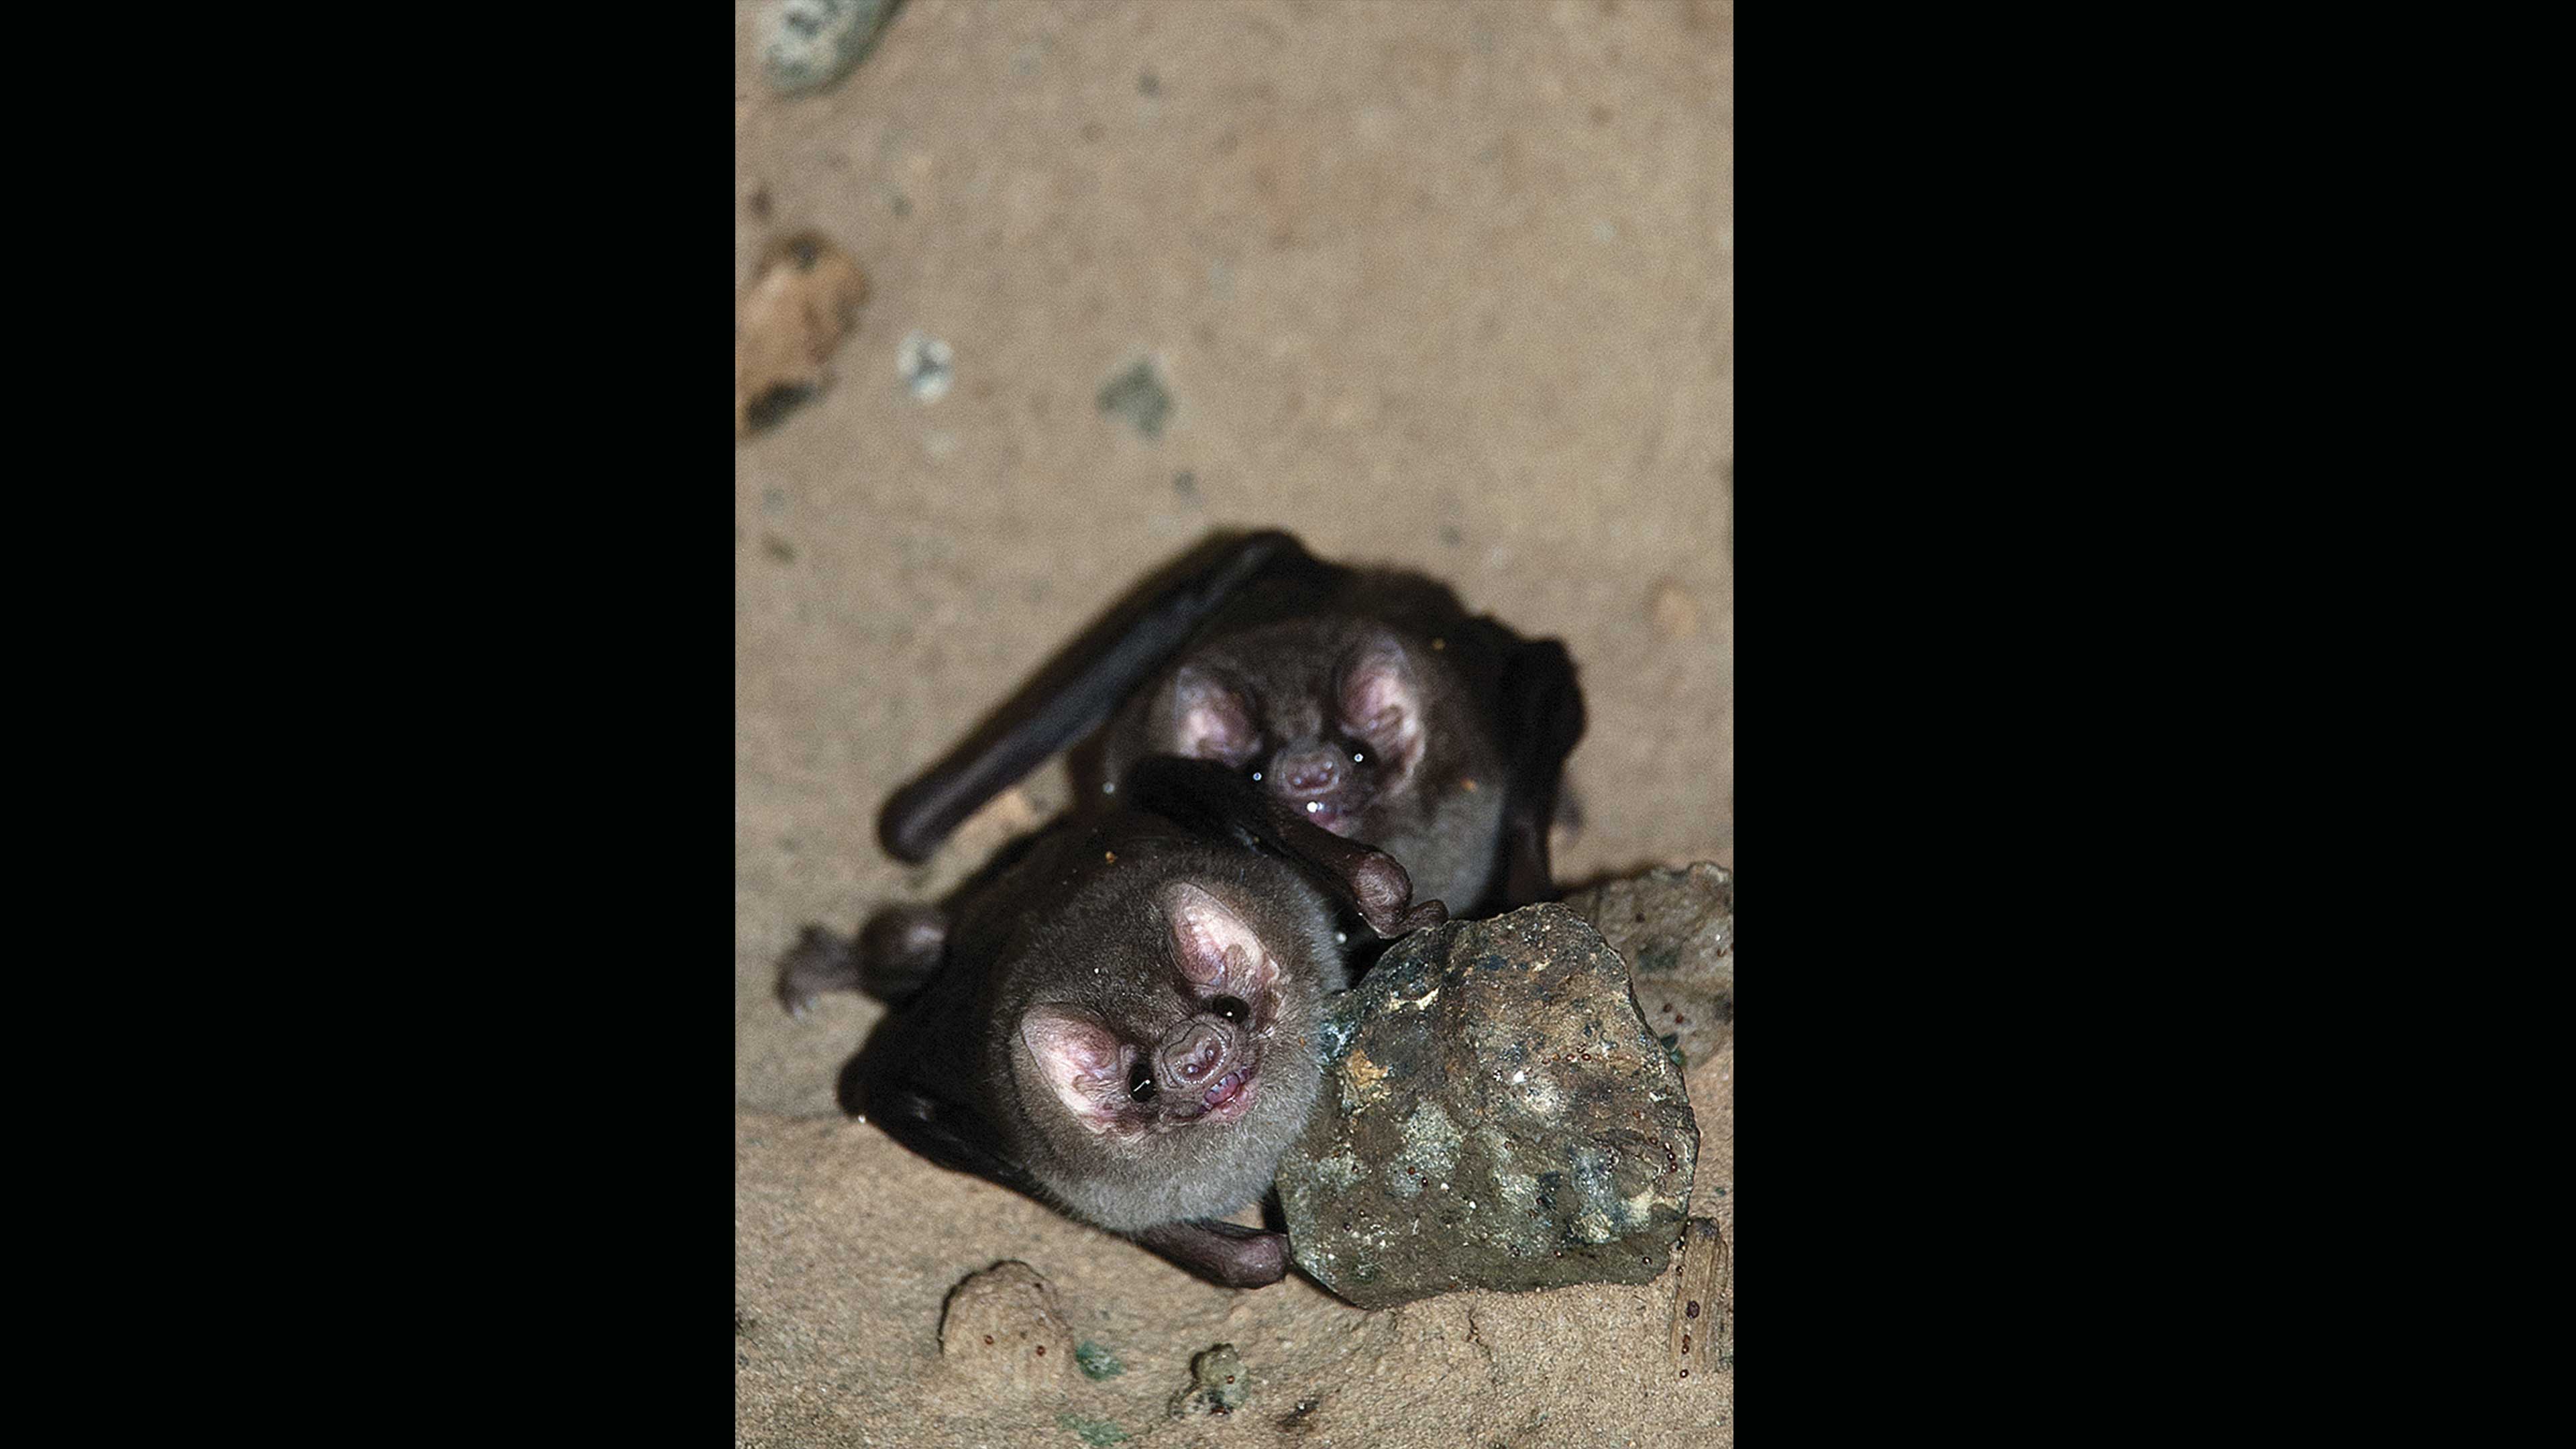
x,y
1384,895
1222,1253
818,962
900,949
1423,916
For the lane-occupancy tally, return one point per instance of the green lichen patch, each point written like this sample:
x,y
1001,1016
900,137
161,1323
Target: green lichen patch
x,y
1094,1432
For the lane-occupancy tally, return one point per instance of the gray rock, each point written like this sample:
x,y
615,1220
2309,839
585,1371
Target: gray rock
x,y
812,43
1496,1116
1138,396
926,365
1219,1384
1676,929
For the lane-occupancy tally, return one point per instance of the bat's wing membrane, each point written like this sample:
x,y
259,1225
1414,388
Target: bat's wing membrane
x,y
1078,689
1543,718
896,1084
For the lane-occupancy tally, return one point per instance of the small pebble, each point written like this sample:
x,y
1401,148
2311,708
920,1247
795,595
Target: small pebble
x,y
997,1327
1674,613
926,365
1138,396
1219,1385
805,299
808,44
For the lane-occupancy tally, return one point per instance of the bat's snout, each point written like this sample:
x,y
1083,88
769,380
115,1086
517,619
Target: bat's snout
x,y
1195,1051
1309,772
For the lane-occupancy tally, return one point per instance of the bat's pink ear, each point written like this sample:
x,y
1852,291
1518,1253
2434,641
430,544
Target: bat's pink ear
x,y
1217,950
1079,1059
1382,703
1209,721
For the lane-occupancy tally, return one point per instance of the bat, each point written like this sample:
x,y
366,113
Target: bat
x,y
1367,699
1116,1017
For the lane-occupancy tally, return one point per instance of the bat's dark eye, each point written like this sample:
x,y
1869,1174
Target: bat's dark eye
x,y
1232,1008
1140,1082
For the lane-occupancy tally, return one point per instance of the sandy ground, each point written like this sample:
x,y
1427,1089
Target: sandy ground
x,y
1442,285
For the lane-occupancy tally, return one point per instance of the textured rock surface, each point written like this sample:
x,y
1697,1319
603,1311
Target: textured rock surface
x,y
812,43
1003,1329
804,302
1675,927
1219,1384
1499,1117
1676,930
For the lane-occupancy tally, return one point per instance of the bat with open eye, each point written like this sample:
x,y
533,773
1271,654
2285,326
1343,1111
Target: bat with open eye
x,y
1117,1016
1367,699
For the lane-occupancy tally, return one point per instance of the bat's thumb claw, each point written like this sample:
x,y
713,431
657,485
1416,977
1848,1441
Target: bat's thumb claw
x,y
1391,921
1427,914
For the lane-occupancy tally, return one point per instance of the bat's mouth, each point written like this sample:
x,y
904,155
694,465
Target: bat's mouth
x,y
1231,1096
1325,814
